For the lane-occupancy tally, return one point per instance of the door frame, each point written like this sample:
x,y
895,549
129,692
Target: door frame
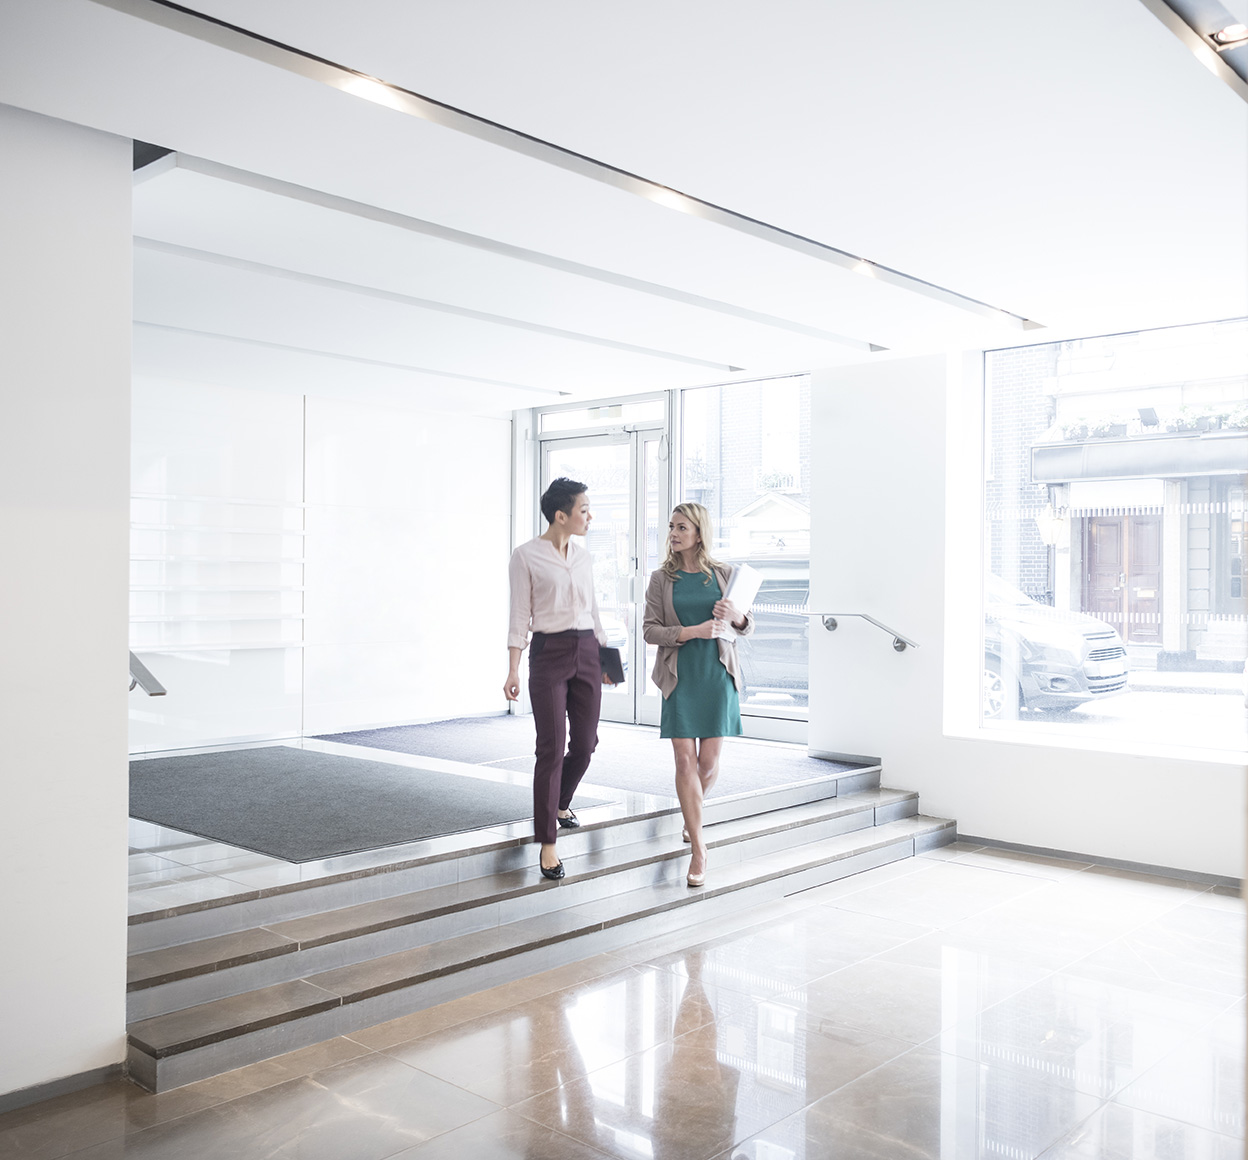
x,y
642,704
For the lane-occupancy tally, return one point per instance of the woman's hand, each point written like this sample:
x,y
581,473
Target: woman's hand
x,y
511,686
703,631
728,612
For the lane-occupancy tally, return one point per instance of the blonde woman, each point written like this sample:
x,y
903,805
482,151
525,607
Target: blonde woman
x,y
697,670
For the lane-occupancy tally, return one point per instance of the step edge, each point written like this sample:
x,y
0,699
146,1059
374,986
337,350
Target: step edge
x,y
521,890
499,844
487,957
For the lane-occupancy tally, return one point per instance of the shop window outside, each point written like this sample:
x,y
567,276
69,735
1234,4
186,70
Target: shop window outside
x,y
1114,600
745,455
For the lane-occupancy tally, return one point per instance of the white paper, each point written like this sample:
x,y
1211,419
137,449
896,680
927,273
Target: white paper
x,y
743,587
742,591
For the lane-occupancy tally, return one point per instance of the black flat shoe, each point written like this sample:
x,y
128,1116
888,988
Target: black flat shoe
x,y
555,871
571,822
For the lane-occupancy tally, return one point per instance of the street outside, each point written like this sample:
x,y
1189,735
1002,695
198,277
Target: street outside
x,y
1198,710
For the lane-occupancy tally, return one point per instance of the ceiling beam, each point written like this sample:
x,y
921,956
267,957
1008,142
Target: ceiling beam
x,y
233,38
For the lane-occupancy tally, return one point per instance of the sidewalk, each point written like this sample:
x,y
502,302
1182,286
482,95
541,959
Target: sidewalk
x,y
1150,681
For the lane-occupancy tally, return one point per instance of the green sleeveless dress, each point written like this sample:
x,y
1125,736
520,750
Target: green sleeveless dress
x,y
704,702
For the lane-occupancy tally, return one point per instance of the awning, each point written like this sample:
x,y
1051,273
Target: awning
x,y
1158,457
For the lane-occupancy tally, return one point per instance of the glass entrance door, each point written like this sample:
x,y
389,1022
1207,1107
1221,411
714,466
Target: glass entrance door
x,y
625,472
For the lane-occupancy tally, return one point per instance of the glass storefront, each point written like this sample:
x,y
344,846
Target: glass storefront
x,y
1114,601
745,455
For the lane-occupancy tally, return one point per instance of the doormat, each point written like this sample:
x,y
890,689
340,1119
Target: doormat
x,y
302,806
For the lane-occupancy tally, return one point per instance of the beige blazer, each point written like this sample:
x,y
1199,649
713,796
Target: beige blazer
x,y
661,627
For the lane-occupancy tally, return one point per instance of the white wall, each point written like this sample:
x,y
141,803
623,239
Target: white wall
x,y
897,443
308,565
409,531
64,471
217,546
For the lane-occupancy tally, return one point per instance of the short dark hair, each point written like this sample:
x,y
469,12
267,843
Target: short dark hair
x,y
560,496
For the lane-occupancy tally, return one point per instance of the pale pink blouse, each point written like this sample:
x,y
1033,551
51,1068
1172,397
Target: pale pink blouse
x,y
551,593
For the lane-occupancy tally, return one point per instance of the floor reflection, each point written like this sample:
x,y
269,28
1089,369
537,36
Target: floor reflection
x,y
968,1003
696,1091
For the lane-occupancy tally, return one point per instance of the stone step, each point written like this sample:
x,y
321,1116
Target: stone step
x,y
170,978
177,1048
451,860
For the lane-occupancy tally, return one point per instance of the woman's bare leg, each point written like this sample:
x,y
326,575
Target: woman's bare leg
x,y
708,761
689,791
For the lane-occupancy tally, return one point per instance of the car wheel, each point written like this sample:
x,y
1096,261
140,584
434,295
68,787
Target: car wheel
x,y
998,685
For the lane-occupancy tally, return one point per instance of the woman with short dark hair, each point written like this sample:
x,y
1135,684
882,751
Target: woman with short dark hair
x,y
552,594
695,628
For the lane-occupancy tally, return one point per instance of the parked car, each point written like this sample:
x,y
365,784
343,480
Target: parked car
x,y
1035,657
775,656
1042,658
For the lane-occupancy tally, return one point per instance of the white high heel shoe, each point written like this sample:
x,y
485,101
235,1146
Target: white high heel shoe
x,y
697,879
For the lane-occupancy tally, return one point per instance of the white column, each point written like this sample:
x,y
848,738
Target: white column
x,y
64,527
1174,568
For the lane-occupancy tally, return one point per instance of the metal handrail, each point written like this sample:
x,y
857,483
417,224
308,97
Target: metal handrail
x,y
900,643
140,674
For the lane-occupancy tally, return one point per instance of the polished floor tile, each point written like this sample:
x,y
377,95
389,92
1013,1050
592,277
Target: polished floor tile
x,y
895,999
788,954
366,1109
957,1005
990,974
1201,1082
502,1136
1074,1046
939,894
683,1100
545,1043
927,1104
1192,945
1120,1133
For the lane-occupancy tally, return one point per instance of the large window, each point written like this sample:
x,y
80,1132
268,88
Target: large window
x,y
1114,598
746,457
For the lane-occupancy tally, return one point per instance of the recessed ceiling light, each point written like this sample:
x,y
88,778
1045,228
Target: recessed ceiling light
x,y
862,266
371,90
670,198
1231,34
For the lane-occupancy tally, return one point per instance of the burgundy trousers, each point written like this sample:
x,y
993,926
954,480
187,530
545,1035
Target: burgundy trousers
x,y
565,688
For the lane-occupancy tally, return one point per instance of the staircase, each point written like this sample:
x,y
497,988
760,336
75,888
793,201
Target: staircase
x,y
217,985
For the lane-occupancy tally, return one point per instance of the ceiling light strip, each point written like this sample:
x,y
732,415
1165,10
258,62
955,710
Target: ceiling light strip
x,y
233,38
250,266
1200,48
351,358
360,209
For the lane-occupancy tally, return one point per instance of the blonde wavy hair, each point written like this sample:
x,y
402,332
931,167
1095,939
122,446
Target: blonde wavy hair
x,y
697,515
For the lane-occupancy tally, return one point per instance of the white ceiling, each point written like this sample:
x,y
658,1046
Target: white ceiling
x,y
1070,163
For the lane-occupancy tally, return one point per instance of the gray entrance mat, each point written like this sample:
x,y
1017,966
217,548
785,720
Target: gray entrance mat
x,y
630,758
302,806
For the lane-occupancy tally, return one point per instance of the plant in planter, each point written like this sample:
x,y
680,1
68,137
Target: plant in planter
x,y
1107,428
1236,416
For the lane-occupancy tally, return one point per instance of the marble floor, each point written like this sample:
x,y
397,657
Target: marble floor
x,y
967,1003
